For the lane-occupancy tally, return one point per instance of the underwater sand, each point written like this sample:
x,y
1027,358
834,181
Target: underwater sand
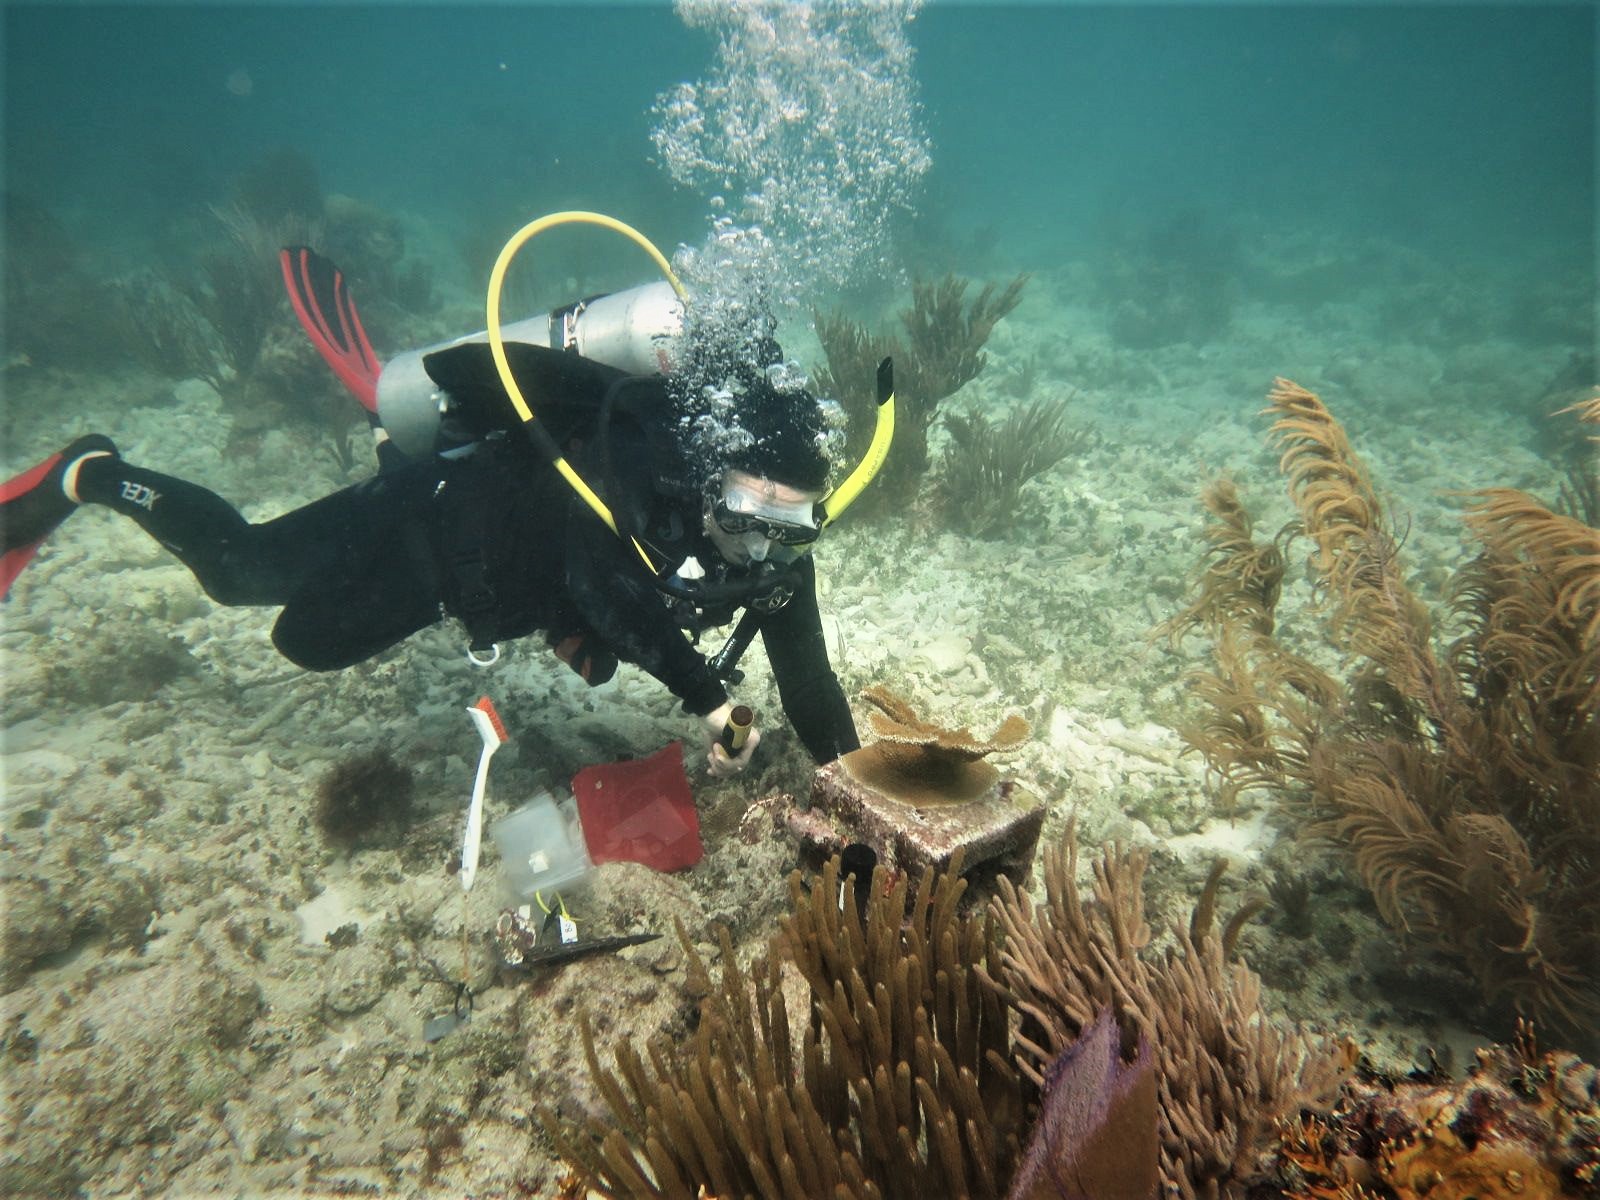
x,y
173,1012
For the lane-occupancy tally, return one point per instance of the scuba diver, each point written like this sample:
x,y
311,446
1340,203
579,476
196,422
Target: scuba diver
x,y
483,514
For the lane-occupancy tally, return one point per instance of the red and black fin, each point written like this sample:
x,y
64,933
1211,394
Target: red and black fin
x,y
33,503
328,315
19,546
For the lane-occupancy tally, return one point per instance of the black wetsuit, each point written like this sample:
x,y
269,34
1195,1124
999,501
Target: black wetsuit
x,y
495,538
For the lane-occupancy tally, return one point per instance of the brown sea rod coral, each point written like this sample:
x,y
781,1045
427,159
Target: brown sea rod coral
x,y
1225,1071
987,462
896,1083
1463,781
927,1030
942,352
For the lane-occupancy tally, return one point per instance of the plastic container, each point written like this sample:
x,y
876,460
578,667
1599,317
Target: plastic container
x,y
541,849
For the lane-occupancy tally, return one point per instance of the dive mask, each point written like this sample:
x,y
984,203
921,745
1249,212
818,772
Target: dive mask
x,y
744,509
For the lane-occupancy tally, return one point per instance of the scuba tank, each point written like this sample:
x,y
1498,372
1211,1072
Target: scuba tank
x,y
634,331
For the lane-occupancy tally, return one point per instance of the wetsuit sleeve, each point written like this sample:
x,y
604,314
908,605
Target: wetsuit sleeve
x,y
619,601
812,698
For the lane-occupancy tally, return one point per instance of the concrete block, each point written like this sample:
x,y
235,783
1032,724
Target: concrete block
x,y
998,829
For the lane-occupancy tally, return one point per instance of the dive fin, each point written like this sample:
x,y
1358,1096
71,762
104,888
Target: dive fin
x,y
13,563
14,558
33,503
328,315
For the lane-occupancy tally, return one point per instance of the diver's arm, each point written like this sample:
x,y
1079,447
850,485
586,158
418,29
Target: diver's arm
x,y
619,601
812,698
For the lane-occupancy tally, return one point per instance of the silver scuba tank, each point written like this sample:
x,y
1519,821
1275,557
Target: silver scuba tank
x,y
633,330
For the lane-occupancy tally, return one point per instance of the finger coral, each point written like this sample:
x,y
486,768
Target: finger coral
x,y
927,1038
897,1082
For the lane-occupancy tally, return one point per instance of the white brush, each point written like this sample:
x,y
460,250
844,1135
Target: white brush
x,y
493,732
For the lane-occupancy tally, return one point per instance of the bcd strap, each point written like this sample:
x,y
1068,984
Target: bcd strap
x,y
471,599
475,600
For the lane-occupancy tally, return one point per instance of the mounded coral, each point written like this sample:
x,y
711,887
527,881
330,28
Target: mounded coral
x,y
119,659
48,914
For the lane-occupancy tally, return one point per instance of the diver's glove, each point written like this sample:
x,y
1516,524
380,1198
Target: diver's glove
x,y
719,762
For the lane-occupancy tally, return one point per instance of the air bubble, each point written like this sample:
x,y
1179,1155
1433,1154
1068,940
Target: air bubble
x,y
808,127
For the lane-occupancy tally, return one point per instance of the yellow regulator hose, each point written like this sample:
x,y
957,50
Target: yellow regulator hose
x,y
497,345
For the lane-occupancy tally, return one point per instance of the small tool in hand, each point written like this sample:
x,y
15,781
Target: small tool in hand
x,y
736,731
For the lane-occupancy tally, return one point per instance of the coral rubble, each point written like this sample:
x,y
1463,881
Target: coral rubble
x,y
1520,1125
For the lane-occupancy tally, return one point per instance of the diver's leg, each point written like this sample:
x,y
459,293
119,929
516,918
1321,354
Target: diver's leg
x,y
355,571
324,545
327,630
229,558
34,503
382,581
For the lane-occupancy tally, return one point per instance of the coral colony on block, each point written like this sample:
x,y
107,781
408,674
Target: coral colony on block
x,y
920,793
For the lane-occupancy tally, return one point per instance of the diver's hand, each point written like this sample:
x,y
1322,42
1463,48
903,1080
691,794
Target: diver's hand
x,y
719,762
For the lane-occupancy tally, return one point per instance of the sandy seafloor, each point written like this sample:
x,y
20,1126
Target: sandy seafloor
x,y
174,1022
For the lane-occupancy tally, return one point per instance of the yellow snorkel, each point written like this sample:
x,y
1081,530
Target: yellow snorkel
x,y
497,346
836,501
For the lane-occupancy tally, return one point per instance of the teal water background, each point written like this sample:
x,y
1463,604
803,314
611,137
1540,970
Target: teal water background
x,y
1461,129
1465,132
